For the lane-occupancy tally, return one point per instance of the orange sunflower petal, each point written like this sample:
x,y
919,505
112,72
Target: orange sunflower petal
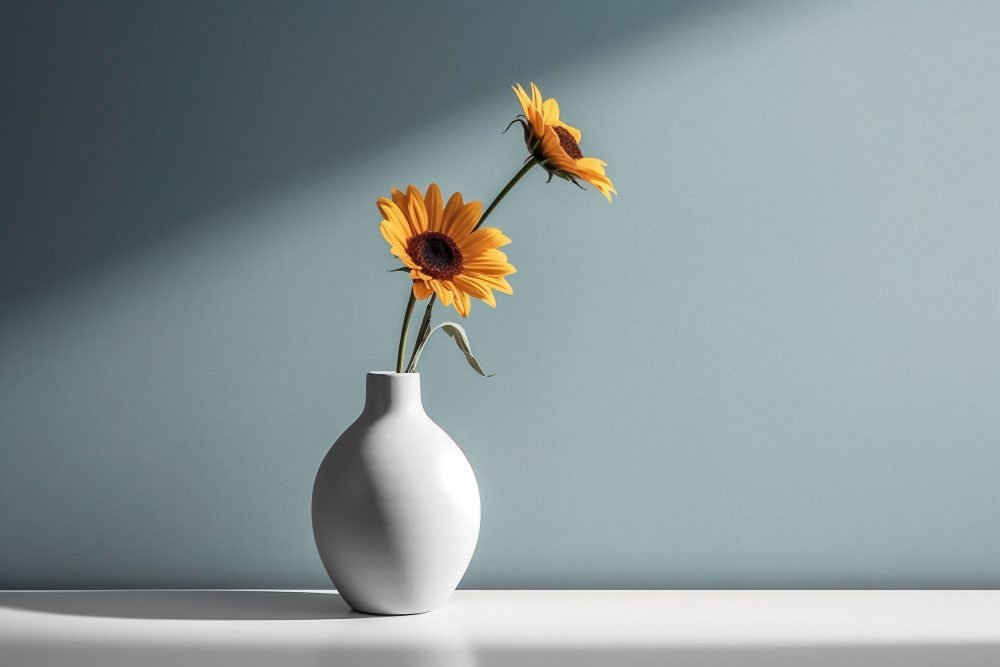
x,y
550,111
462,222
474,287
536,96
471,286
391,212
490,300
385,206
453,206
462,303
435,208
555,154
405,258
482,239
499,283
443,289
399,198
522,97
485,267
537,121
416,210
392,234
491,262
532,111
402,203
421,290
417,274
592,163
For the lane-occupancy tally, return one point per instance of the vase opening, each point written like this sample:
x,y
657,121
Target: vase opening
x,y
388,390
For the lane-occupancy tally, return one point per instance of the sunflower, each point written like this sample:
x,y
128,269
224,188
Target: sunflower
x,y
439,247
556,145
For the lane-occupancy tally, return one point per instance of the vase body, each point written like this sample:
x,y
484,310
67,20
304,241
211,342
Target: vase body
x,y
395,505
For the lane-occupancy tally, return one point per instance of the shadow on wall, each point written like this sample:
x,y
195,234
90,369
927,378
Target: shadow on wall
x,y
127,121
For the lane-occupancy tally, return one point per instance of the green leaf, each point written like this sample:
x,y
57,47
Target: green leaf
x,y
457,334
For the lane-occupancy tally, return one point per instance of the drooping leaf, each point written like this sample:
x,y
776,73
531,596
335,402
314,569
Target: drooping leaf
x,y
457,334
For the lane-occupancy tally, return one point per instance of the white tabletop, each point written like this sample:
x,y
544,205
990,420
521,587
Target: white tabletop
x,y
485,628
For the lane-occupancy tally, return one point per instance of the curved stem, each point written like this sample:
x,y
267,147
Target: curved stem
x,y
425,324
402,334
507,188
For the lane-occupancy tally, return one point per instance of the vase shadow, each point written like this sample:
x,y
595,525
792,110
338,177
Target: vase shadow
x,y
221,605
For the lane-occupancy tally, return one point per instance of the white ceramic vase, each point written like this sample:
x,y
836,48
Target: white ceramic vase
x,y
395,505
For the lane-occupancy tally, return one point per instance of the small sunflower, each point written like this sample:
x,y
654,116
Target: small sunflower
x,y
556,145
439,247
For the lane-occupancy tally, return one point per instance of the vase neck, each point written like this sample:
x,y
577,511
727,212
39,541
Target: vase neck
x,y
385,391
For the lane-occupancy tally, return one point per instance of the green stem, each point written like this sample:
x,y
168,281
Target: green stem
x,y
425,327
402,334
425,324
507,188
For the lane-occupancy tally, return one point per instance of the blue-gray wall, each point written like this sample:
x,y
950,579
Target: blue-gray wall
x,y
774,360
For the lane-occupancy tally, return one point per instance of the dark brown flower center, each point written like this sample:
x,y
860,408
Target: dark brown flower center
x,y
568,143
437,254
